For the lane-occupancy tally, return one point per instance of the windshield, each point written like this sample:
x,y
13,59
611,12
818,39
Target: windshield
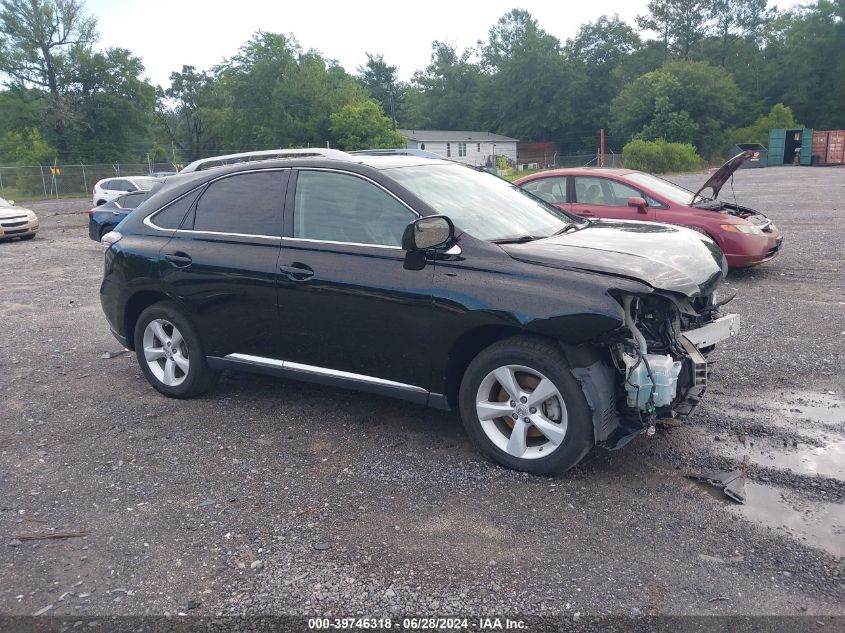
x,y
4,204
481,204
662,187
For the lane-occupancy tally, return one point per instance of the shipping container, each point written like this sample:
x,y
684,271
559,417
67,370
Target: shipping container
x,y
790,147
829,147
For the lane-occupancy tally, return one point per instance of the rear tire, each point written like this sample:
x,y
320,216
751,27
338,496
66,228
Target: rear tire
x,y
170,354
523,409
106,229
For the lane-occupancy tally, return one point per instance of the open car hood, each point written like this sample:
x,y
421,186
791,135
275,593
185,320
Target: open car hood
x,y
663,256
719,177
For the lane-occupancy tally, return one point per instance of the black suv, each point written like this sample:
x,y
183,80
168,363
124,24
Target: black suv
x,y
424,280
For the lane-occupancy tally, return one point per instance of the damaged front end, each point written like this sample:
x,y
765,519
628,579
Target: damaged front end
x,y
660,361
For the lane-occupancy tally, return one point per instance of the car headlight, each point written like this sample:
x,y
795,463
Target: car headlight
x,y
31,216
748,229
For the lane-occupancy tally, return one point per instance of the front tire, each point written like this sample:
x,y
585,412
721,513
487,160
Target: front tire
x,y
26,238
170,354
523,409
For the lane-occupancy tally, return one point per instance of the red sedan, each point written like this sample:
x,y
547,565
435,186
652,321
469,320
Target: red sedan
x,y
745,236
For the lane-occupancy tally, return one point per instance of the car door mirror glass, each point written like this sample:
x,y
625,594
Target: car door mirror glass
x,y
429,232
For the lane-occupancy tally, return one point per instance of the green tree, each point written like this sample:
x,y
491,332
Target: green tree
x,y
805,67
706,93
364,126
681,24
594,55
25,147
736,19
530,90
191,112
36,40
448,91
780,116
381,82
276,95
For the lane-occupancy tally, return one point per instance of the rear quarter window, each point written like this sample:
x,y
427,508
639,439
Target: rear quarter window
x,y
171,216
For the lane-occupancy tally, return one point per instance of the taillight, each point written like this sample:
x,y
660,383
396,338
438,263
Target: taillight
x,y
91,212
110,238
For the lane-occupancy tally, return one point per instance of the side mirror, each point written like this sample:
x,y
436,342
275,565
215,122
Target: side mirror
x,y
639,203
434,231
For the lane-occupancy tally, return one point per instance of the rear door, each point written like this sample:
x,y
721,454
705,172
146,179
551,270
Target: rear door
x,y
347,305
597,197
222,262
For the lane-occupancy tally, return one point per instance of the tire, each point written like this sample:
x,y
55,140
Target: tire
x,y
25,238
106,229
180,371
556,433
100,203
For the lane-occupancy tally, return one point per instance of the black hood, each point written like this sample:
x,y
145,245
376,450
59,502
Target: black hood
x,y
663,256
719,177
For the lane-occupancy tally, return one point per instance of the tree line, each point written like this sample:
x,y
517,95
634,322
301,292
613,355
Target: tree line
x,y
713,72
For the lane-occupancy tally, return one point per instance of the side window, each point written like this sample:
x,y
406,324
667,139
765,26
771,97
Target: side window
x,y
551,190
590,190
620,193
171,217
337,207
243,203
115,185
448,149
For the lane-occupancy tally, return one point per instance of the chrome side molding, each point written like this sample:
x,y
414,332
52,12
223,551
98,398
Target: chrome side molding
x,y
312,370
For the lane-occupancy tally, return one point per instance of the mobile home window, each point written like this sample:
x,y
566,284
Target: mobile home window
x,y
462,149
448,150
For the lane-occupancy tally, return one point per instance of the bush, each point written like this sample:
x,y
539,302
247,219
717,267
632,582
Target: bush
x,y
661,157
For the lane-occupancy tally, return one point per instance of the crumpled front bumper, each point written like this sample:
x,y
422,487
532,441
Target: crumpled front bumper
x,y
693,342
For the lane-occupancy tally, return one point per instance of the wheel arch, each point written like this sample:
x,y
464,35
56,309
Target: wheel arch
x,y
136,304
473,342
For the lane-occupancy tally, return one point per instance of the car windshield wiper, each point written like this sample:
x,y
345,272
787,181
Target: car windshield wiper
x,y
516,239
567,226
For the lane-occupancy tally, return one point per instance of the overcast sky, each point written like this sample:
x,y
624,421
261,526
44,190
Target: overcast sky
x,y
170,33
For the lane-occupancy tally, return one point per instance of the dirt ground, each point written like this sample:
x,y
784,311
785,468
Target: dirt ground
x,y
272,497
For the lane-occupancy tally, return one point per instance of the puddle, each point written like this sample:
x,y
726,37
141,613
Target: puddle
x,y
820,525
817,408
828,461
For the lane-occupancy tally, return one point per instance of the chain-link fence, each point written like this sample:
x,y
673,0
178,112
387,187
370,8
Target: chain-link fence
x,y
54,181
549,161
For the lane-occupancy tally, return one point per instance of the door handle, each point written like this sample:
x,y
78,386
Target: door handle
x,y
297,271
584,212
179,259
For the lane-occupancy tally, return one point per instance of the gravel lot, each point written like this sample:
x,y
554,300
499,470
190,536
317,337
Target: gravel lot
x,y
272,497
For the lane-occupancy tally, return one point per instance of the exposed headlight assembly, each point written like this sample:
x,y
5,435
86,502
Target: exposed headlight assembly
x,y
748,229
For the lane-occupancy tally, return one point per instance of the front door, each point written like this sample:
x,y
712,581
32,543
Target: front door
x,y
597,197
346,302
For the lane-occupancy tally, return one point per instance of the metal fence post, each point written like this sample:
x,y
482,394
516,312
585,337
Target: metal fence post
x,y
43,182
1,181
84,179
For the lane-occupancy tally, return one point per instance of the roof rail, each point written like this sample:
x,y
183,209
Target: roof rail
x,y
267,154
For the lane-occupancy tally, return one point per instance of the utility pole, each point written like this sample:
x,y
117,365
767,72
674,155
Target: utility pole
x,y
601,147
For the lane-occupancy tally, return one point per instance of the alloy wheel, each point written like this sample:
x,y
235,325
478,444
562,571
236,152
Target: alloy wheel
x,y
165,352
521,411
